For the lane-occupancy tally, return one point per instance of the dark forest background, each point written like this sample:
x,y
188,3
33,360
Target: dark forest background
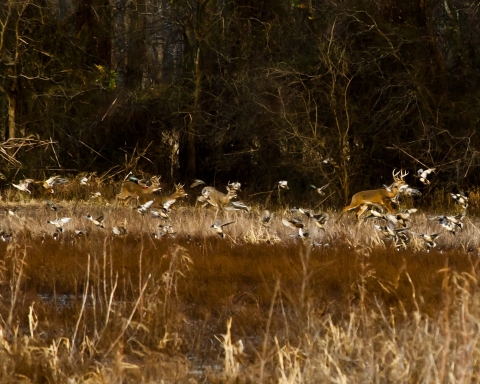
x,y
318,91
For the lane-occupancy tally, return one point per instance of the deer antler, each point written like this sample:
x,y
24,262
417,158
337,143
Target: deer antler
x,y
179,186
402,175
395,175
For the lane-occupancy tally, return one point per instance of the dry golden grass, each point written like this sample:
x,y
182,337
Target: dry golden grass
x,y
257,306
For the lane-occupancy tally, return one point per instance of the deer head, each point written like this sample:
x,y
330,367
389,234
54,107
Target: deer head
x,y
155,183
399,184
235,185
179,190
398,178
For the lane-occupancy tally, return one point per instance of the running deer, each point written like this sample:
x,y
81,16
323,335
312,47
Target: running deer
x,y
218,199
378,197
162,200
133,190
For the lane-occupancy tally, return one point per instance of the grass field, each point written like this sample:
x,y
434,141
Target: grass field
x,y
258,306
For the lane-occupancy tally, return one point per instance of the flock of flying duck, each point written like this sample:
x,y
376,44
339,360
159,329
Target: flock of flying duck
x,y
376,205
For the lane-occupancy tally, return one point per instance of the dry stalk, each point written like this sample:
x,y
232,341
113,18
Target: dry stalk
x,y
85,295
10,148
17,274
289,364
32,321
263,357
129,320
232,352
179,264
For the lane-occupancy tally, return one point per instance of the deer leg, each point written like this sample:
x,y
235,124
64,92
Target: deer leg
x,y
388,204
126,201
119,198
362,209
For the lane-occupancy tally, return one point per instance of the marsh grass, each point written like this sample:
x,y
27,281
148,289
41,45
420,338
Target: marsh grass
x,y
259,305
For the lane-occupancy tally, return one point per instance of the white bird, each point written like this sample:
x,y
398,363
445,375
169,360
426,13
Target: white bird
x,y
5,237
461,198
409,191
296,224
163,231
11,211
449,226
162,214
449,222
96,195
168,229
145,207
282,184
158,235
329,160
374,214
218,227
423,174
59,223
293,223
237,206
388,231
429,240
98,221
51,205
303,234
119,231
267,218
320,219
23,185
52,181
166,205
404,216
84,180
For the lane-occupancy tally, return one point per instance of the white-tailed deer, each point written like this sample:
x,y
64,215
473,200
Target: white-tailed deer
x,y
379,197
218,199
130,189
163,201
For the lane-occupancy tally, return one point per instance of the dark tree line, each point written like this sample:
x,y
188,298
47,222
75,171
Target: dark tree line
x,y
309,91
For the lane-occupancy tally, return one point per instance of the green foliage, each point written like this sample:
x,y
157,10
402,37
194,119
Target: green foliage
x,y
108,78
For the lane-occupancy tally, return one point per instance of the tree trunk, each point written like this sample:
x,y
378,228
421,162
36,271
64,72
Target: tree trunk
x,y
119,43
11,131
136,56
192,165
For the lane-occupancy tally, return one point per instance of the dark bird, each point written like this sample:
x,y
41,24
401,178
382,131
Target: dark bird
x,y
218,227
98,221
320,190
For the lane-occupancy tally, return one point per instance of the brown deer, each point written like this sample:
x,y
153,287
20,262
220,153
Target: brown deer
x,y
218,199
130,189
162,200
378,197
